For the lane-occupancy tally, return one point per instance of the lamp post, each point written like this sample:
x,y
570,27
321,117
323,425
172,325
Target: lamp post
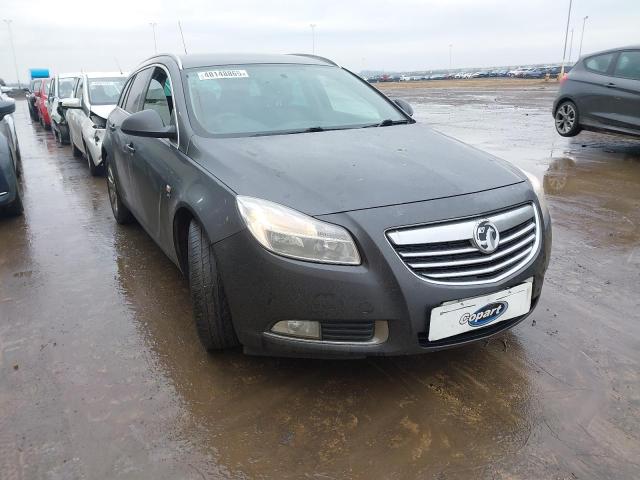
x,y
155,43
584,22
313,38
13,50
566,37
570,46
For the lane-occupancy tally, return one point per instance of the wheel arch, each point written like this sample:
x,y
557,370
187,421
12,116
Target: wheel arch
x,y
563,99
181,220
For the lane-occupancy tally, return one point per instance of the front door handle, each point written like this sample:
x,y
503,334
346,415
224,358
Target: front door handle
x,y
130,148
610,84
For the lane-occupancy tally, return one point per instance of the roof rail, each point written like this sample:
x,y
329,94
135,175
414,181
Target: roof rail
x,y
316,57
173,56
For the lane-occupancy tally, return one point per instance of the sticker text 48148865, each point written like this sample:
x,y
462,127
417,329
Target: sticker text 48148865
x,y
217,74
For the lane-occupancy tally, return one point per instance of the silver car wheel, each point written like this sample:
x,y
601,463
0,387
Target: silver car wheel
x,y
111,186
565,118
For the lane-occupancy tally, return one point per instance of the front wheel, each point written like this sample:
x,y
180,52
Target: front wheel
x,y
96,170
210,308
120,212
16,207
566,118
76,151
32,113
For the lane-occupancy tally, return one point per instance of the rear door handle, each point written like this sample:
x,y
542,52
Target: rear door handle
x,y
130,148
610,84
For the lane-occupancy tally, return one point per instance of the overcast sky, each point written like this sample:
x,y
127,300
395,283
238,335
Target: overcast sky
x,y
69,35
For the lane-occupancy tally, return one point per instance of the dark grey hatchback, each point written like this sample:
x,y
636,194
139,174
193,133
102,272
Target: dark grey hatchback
x,y
601,93
313,216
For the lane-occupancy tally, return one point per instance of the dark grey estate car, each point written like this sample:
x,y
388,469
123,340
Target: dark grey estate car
x,y
601,93
10,162
313,216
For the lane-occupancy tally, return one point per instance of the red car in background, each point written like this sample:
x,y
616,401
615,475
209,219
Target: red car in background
x,y
41,104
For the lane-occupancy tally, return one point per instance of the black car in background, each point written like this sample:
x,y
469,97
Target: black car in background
x,y
34,87
601,93
10,166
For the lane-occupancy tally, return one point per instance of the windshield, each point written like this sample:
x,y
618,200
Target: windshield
x,y
105,91
46,87
65,87
271,99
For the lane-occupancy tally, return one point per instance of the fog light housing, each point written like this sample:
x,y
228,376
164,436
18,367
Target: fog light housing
x,y
298,328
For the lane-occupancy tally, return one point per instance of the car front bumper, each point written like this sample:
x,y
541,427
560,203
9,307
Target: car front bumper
x,y
263,288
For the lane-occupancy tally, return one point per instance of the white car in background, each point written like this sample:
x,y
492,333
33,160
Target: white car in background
x,y
62,86
95,96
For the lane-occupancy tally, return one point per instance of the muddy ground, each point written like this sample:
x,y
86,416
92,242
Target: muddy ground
x,y
102,376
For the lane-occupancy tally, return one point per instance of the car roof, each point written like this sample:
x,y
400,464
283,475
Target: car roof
x,y
219,59
69,75
104,74
611,50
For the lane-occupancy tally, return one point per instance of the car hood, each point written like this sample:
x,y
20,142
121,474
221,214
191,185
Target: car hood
x,y
102,111
337,171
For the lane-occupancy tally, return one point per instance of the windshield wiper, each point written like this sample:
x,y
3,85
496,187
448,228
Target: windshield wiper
x,y
387,122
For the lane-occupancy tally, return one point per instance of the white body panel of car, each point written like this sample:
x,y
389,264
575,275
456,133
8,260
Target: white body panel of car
x,y
84,133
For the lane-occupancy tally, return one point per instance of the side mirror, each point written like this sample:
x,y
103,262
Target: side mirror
x,y
71,103
147,123
7,107
404,106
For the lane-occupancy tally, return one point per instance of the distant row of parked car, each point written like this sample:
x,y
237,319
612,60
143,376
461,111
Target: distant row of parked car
x,y
521,72
75,107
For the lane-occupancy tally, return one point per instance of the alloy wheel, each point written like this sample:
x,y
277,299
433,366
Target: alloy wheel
x,y
111,187
565,118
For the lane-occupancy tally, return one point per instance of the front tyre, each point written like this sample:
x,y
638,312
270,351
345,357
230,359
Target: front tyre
x,y
210,308
16,208
566,119
120,212
96,170
76,151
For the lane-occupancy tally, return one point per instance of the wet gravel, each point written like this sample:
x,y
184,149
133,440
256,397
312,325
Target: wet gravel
x,y
102,375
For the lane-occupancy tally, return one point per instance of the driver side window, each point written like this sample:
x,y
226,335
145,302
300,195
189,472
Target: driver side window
x,y
159,96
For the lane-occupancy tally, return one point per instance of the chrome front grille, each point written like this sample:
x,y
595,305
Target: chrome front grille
x,y
444,252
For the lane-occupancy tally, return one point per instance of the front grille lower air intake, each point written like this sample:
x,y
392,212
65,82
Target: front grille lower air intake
x,y
445,253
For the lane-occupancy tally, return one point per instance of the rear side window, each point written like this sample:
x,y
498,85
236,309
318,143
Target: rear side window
x,y
134,98
599,63
628,65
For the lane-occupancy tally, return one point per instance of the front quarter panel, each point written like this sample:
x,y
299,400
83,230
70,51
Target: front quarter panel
x,y
208,199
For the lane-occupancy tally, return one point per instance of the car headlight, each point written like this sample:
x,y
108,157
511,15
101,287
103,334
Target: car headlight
x,y
537,188
293,234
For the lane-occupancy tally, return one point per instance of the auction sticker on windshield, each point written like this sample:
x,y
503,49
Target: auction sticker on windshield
x,y
460,316
216,74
